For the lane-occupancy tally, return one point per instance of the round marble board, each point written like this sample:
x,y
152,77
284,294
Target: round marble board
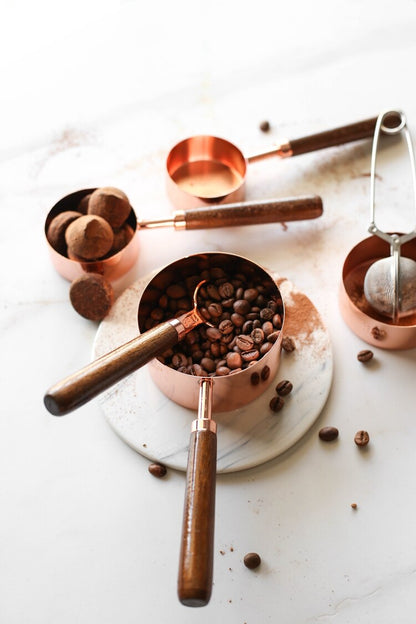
x,y
159,429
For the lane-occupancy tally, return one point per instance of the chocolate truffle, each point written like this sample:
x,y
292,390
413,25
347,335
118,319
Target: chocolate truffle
x,y
90,237
57,228
122,237
111,204
91,296
83,204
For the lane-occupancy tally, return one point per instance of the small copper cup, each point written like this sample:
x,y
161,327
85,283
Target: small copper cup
x,y
359,315
112,267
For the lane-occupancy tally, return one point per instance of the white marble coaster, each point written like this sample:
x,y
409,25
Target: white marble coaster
x,y
159,429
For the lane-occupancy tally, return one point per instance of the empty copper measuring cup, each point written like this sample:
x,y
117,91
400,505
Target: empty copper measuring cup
x,y
236,214
205,169
208,393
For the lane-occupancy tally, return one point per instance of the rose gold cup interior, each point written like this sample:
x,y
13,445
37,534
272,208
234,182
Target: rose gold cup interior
x,y
230,391
113,267
359,315
204,170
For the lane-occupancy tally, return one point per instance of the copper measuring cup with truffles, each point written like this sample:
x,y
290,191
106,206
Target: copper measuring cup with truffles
x,y
220,354
115,265
202,170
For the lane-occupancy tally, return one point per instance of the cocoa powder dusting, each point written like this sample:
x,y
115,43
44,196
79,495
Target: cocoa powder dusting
x,y
302,319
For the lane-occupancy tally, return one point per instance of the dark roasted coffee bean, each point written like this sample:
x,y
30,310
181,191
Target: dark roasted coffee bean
x,y
284,387
265,348
257,335
328,434
241,306
234,360
362,438
266,314
176,291
163,302
264,126
252,316
228,303
255,379
267,328
215,310
235,370
213,293
222,371
365,356
272,305
157,470
215,349
239,290
265,373
197,355
213,333
245,343
237,319
227,338
273,336
217,272
250,294
252,560
226,327
276,404
247,327
249,356
179,359
157,314
208,364
226,290
277,321
288,344
257,323
197,370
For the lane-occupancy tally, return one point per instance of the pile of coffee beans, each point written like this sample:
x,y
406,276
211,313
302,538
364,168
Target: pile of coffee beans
x,y
244,317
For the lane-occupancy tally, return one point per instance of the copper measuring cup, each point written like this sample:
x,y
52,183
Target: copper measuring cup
x,y
218,393
203,170
236,214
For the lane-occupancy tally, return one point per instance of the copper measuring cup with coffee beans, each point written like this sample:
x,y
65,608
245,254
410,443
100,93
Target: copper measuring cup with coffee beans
x,y
203,170
219,356
115,265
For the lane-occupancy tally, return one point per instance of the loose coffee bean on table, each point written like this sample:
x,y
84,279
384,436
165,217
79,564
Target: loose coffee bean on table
x,y
328,434
365,356
288,344
252,560
157,470
284,387
244,310
361,438
276,404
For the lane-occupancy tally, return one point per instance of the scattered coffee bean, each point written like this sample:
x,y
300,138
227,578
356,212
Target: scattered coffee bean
x,y
157,470
252,560
365,356
284,387
276,404
328,434
264,125
377,333
361,438
354,505
288,344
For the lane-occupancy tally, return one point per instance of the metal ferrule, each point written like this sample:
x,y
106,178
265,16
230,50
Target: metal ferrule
x,y
187,322
204,421
284,150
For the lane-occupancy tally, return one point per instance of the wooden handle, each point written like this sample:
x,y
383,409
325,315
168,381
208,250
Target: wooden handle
x,y
197,546
249,213
77,389
336,136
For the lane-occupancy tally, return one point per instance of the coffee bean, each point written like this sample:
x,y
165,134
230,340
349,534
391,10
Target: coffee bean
x,y
213,293
208,364
267,328
266,314
179,359
249,356
273,336
277,321
213,333
264,126
226,326
238,319
365,356
284,387
276,404
288,344
241,306
248,327
245,343
250,294
361,438
226,290
377,333
215,310
234,360
265,348
176,291
222,370
328,434
252,560
257,335
157,470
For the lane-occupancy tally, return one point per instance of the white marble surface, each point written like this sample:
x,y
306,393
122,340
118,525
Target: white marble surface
x,y
95,93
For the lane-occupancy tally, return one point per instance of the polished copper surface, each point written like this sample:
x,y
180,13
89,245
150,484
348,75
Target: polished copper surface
x,y
230,391
111,268
360,316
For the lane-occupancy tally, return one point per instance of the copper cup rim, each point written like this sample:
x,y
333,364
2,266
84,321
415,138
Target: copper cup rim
x,y
217,378
70,268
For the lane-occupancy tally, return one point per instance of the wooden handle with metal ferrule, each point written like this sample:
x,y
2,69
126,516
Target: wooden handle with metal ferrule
x,y
197,546
242,213
77,389
336,136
